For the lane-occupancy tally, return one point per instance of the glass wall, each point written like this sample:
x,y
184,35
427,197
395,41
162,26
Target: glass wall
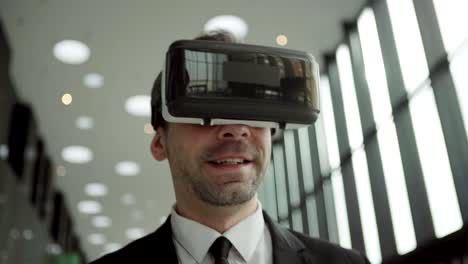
x,y
384,168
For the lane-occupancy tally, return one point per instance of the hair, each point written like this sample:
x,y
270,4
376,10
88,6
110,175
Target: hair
x,y
156,115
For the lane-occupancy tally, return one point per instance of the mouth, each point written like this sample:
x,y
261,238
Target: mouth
x,y
230,163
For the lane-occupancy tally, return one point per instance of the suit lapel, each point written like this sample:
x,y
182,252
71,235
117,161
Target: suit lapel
x,y
162,238
286,247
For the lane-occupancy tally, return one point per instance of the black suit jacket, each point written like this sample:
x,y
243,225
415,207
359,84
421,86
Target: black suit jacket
x,y
289,247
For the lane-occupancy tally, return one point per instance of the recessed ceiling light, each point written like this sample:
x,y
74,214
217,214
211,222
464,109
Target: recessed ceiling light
x,y
93,80
77,154
128,199
4,151
127,168
233,24
102,221
28,234
139,105
111,247
54,249
61,171
89,207
134,233
137,215
84,122
71,51
148,129
96,189
67,99
97,239
281,40
14,233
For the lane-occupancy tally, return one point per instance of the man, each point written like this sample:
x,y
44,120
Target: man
x,y
217,165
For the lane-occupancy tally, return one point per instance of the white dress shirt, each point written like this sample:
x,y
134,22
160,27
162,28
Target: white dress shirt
x,y
250,238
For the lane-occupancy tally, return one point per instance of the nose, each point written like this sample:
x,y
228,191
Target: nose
x,y
234,132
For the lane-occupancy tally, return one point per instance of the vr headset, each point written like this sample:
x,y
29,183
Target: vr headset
x,y
215,83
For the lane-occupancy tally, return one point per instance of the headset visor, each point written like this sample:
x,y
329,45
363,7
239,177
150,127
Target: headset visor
x,y
209,80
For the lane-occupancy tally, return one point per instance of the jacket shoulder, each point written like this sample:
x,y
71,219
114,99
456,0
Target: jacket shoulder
x,y
323,250
133,251
153,247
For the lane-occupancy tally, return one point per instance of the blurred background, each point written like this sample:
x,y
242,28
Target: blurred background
x,y
384,169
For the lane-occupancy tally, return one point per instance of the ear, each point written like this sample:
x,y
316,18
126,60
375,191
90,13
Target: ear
x,y
158,145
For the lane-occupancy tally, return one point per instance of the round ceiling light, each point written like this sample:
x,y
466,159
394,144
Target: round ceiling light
x,y
139,105
137,215
28,234
102,221
127,168
111,247
54,249
71,52
93,80
84,122
4,151
96,189
61,171
281,40
128,199
67,99
233,24
77,154
97,239
134,233
89,207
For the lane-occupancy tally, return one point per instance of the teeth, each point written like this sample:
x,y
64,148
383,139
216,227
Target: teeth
x,y
229,161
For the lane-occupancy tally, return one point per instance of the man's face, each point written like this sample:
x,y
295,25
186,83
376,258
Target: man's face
x,y
220,165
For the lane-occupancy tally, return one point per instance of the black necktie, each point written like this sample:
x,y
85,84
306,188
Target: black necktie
x,y
220,250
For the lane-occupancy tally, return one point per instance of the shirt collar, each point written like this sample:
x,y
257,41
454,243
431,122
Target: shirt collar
x,y
186,230
244,236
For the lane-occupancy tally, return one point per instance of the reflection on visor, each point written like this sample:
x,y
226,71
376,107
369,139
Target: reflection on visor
x,y
252,75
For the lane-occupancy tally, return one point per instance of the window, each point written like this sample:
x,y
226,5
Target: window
x,y
452,18
297,221
396,188
332,224
305,158
409,43
386,134
353,120
374,67
438,178
269,192
328,119
344,235
366,205
458,67
280,177
291,167
312,215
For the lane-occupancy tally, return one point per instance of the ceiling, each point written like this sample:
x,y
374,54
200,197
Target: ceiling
x,y
128,40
